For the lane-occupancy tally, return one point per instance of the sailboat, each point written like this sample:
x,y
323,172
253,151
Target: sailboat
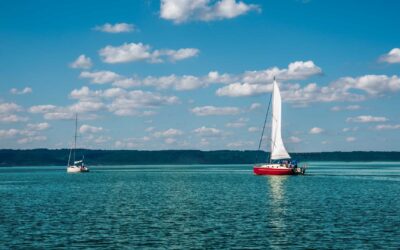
x,y
77,166
280,162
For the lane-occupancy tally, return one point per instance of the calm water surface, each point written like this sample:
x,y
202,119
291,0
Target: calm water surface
x,y
335,206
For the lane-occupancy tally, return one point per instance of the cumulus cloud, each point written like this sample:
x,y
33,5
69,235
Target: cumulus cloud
x,y
9,107
253,83
366,119
371,84
29,134
31,139
253,129
349,107
82,62
84,129
180,11
392,57
241,122
100,77
316,130
387,126
240,144
38,126
207,132
130,52
12,118
40,109
349,129
120,101
294,139
350,139
7,133
7,113
255,106
243,89
26,90
168,133
212,110
116,28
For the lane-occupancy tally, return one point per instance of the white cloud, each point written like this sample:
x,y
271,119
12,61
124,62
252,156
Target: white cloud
x,y
185,82
316,130
59,115
168,133
31,139
253,129
212,110
350,139
180,54
8,110
8,133
253,83
207,132
130,52
12,118
119,101
116,28
84,129
255,106
371,84
38,126
40,109
170,140
243,89
237,124
86,106
294,139
130,102
9,107
132,142
349,129
392,57
240,144
26,90
27,135
366,119
180,11
82,62
100,77
387,127
349,107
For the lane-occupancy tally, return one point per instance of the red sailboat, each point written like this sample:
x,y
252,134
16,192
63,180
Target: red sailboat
x,y
280,162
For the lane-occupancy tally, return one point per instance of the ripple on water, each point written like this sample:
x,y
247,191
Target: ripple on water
x,y
215,207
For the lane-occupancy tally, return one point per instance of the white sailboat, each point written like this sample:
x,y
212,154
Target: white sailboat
x,y
77,166
280,162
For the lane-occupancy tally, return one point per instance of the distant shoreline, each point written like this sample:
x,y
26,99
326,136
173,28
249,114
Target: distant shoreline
x,y
59,157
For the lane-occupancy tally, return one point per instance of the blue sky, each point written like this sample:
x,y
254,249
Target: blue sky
x,y
179,74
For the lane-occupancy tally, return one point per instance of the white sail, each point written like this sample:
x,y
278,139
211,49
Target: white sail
x,y
278,150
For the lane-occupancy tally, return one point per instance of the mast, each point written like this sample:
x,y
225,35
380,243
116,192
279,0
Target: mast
x,y
76,134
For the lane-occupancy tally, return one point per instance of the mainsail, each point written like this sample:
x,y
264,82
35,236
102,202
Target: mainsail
x,y
278,150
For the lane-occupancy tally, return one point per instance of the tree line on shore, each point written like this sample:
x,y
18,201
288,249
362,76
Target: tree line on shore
x,y
59,157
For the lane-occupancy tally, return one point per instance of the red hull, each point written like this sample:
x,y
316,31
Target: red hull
x,y
273,171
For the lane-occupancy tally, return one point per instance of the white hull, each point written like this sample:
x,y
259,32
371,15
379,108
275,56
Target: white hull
x,y
76,169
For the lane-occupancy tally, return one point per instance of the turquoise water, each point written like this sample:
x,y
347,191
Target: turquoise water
x,y
336,205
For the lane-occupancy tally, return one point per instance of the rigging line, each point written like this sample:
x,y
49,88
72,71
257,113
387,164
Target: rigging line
x,y
262,133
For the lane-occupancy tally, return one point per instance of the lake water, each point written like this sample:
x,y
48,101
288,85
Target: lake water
x,y
336,205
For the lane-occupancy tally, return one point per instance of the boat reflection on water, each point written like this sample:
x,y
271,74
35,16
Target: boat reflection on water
x,y
277,209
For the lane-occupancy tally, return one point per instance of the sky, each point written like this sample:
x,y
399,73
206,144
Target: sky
x,y
181,74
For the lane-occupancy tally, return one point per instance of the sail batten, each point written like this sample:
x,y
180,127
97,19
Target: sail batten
x,y
278,150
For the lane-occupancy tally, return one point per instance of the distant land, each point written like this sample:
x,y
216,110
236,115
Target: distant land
x,y
59,157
